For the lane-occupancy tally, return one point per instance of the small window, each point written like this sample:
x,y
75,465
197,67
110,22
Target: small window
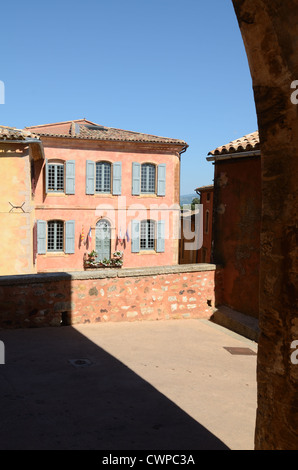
x,y
55,235
103,177
207,222
56,177
147,235
208,197
148,177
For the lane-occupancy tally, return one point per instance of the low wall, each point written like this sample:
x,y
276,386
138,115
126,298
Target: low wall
x,y
159,293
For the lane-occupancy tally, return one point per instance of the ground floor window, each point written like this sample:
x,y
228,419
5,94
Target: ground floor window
x,y
147,236
55,235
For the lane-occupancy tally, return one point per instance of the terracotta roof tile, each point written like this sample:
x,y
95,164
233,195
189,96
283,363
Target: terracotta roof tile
x,y
245,144
83,129
11,133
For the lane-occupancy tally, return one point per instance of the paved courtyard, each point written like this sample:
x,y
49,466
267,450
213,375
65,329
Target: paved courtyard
x,y
168,385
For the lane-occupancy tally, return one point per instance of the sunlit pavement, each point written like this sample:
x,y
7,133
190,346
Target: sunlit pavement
x,y
140,385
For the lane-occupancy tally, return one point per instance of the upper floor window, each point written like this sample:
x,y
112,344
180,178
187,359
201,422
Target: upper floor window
x,y
60,177
207,222
148,178
103,177
56,177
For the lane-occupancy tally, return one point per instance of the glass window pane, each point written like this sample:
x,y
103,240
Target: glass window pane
x,y
56,177
147,235
148,178
55,235
103,177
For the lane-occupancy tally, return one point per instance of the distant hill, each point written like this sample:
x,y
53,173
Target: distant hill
x,y
187,198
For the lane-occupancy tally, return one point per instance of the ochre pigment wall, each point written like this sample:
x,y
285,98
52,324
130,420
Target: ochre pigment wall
x,y
16,256
108,295
236,231
270,32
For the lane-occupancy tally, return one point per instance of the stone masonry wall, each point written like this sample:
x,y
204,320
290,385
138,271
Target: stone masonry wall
x,y
108,295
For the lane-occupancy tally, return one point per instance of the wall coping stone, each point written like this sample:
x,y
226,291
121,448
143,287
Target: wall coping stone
x,y
105,273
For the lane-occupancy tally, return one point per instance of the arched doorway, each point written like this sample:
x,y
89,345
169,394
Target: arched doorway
x,y
103,239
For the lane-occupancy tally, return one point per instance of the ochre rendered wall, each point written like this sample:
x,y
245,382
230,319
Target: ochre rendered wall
x,y
16,240
237,225
87,210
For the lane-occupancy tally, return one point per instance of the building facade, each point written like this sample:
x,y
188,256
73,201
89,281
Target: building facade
x,y
19,152
237,221
107,190
206,200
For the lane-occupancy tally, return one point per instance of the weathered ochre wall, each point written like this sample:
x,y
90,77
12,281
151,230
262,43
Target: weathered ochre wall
x,y
87,210
16,243
270,32
236,234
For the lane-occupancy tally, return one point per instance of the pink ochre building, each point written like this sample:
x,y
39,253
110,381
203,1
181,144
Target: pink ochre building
x,y
104,189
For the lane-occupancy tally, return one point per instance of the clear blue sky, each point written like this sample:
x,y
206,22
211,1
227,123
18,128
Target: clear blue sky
x,y
167,67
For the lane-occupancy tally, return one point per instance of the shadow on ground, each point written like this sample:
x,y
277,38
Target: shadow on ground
x,y
48,402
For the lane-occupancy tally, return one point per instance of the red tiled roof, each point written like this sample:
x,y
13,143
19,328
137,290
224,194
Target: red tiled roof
x,y
11,133
245,144
205,188
83,129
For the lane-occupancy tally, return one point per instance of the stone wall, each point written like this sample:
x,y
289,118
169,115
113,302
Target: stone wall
x,y
269,30
159,293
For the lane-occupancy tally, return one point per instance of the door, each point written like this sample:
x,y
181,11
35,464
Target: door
x,y
103,240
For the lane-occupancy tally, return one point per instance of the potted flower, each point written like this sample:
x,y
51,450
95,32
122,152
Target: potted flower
x,y
118,255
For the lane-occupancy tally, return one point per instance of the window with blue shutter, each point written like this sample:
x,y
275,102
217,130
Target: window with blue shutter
x,y
55,239
136,179
147,235
148,177
160,238
41,237
103,177
161,180
70,237
70,167
90,177
117,178
135,236
55,177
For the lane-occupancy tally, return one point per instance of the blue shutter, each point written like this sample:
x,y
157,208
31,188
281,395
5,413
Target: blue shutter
x,y
41,237
160,239
136,179
117,177
70,170
47,176
135,236
161,180
70,237
90,177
